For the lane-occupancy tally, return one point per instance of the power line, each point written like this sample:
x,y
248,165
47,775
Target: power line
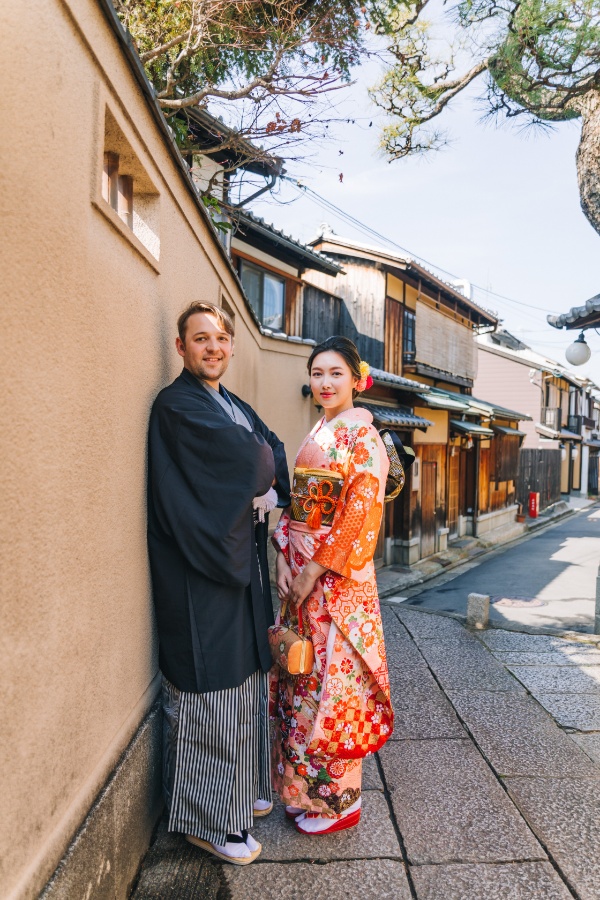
x,y
366,229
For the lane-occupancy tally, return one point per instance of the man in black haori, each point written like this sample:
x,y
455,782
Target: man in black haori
x,y
215,470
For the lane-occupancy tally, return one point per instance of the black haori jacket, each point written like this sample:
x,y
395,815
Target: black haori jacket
x,y
207,559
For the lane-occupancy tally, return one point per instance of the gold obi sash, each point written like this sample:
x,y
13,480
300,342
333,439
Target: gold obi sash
x,y
315,494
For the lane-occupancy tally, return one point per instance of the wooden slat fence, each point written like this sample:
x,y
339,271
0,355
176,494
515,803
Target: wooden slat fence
x,y
539,470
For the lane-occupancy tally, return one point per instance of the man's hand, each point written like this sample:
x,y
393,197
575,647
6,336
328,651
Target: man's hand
x,y
303,584
283,576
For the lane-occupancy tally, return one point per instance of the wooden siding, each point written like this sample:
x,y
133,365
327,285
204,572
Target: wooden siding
x,y
393,336
498,471
453,490
504,457
445,344
362,315
321,316
539,470
484,480
293,308
428,511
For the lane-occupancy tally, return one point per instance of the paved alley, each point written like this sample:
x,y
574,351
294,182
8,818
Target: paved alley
x,y
556,569
488,790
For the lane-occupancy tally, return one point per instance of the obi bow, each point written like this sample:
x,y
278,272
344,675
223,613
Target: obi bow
x,y
318,503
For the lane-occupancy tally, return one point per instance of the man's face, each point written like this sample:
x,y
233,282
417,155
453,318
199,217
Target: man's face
x,y
207,349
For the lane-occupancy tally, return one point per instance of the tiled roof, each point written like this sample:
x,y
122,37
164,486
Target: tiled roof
x,y
497,412
246,220
470,428
553,434
511,432
576,313
398,381
402,260
396,417
445,400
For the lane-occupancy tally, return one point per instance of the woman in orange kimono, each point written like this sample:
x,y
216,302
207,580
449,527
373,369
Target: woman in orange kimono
x,y
328,721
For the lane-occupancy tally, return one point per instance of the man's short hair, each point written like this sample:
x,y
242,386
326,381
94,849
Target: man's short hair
x,y
222,316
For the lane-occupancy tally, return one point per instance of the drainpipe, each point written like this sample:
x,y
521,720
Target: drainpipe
x,y
262,190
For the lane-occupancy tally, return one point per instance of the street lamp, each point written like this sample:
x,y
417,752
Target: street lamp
x,y
579,352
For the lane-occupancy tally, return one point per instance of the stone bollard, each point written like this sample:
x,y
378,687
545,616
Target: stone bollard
x,y
478,610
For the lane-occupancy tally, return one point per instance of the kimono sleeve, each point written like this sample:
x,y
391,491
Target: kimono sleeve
x,y
204,474
351,543
281,535
282,475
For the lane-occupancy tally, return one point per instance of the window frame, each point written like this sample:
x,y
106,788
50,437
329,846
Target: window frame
x,y
409,354
263,272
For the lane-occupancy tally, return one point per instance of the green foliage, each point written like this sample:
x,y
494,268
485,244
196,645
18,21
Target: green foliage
x,y
214,210
539,59
188,45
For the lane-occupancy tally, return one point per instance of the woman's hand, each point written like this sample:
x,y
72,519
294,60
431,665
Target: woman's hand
x,y
303,583
283,576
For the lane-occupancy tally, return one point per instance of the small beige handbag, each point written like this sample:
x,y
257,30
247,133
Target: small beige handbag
x,y
293,652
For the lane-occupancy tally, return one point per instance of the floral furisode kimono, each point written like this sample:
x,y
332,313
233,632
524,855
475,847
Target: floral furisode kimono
x,y
327,722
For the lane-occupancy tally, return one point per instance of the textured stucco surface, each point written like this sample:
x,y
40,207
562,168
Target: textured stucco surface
x,y
88,327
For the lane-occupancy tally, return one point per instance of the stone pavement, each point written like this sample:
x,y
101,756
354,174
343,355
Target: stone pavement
x,y
489,788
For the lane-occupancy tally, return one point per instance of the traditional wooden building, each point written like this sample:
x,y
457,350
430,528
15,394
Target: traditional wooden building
x,y
417,332
270,265
560,453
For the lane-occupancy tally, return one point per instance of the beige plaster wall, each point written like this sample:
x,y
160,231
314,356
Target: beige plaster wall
x,y
87,325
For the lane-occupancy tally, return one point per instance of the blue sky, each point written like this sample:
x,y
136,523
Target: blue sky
x,y
498,207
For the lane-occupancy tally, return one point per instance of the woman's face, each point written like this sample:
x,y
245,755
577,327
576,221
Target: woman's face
x,y
332,382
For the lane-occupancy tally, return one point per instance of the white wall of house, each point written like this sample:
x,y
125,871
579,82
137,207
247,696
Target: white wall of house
x,y
507,382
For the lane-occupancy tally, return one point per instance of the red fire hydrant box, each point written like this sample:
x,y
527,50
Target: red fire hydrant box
x,y
534,504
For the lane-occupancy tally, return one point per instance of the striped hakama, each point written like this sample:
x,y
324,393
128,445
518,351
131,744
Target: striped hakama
x,y
216,757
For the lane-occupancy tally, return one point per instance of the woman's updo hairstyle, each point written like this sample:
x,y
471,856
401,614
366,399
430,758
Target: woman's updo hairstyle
x,y
346,349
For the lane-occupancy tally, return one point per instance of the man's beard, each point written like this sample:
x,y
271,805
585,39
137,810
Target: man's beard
x,y
210,374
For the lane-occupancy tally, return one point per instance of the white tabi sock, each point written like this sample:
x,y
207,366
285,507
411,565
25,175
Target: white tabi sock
x,y
259,805
235,849
321,823
251,844
294,810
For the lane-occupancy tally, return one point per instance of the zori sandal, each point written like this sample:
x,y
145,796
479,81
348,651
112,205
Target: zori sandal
x,y
235,850
340,823
292,812
262,808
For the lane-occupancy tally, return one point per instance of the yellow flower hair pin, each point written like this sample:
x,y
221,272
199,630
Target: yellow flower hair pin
x,y
365,377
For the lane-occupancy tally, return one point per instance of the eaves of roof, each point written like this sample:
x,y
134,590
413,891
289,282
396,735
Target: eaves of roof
x,y
406,263
510,432
398,381
551,433
585,316
531,359
497,412
396,417
443,400
258,160
309,258
436,282
470,428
